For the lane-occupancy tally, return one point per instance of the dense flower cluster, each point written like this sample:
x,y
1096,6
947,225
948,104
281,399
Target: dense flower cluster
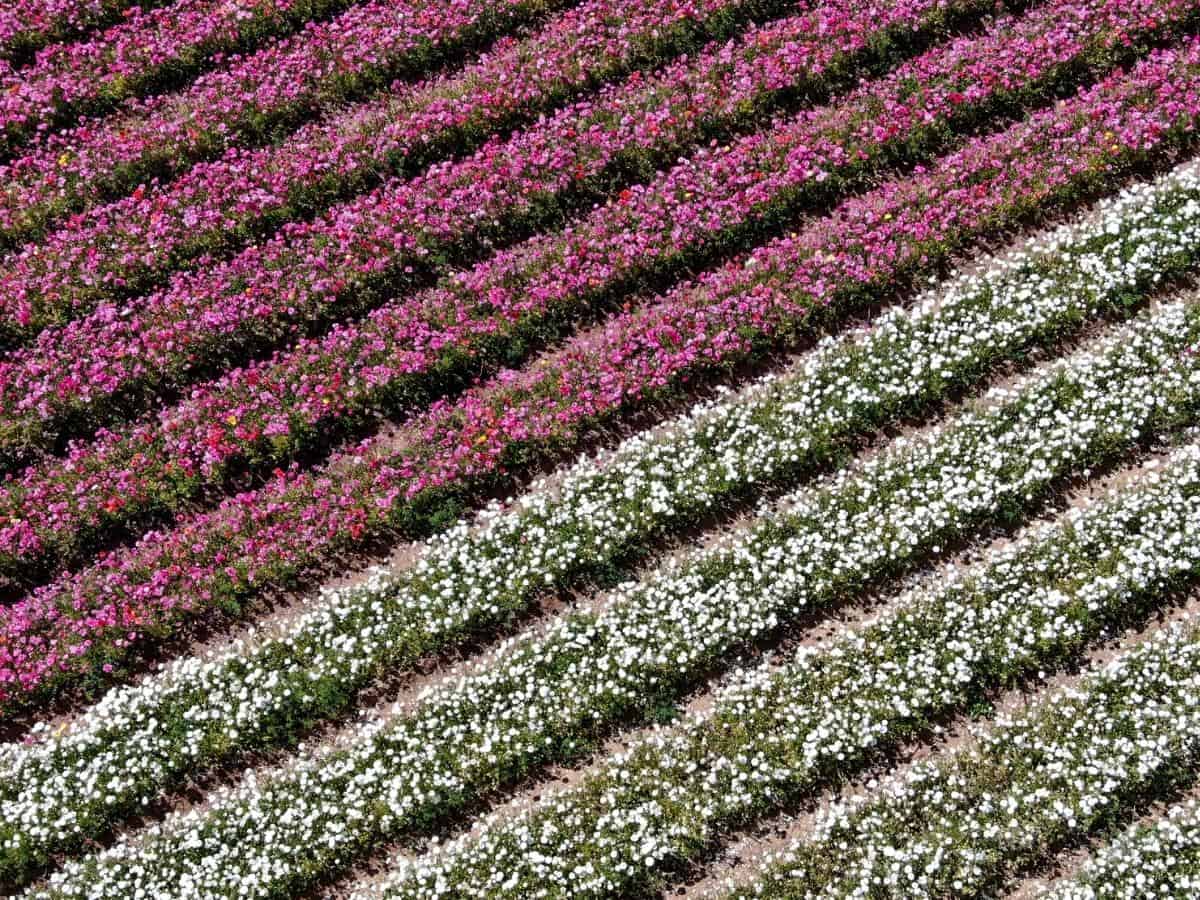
x,y
29,25
600,511
255,97
88,619
766,297
652,639
130,244
955,826
133,57
786,728
54,508
285,282
312,271
1149,861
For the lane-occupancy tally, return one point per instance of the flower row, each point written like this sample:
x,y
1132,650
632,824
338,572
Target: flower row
x,y
769,296
959,825
130,245
148,49
309,272
783,730
269,688
254,98
55,511
28,25
86,621
1157,860
542,698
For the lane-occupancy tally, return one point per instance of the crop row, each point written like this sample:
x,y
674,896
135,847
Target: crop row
x,y
254,98
815,718
652,640
958,825
766,298
1156,860
59,509
150,49
268,689
313,270
131,244
28,25
87,620
310,271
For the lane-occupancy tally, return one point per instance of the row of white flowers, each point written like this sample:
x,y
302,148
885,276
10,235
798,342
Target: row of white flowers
x,y
1155,861
957,826
266,689
544,698
776,734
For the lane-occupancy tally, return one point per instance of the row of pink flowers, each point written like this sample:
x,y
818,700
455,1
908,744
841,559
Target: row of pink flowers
x,y
130,244
315,271
52,513
254,97
132,57
29,25
87,621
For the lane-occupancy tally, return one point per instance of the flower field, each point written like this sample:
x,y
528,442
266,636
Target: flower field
x,y
587,449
